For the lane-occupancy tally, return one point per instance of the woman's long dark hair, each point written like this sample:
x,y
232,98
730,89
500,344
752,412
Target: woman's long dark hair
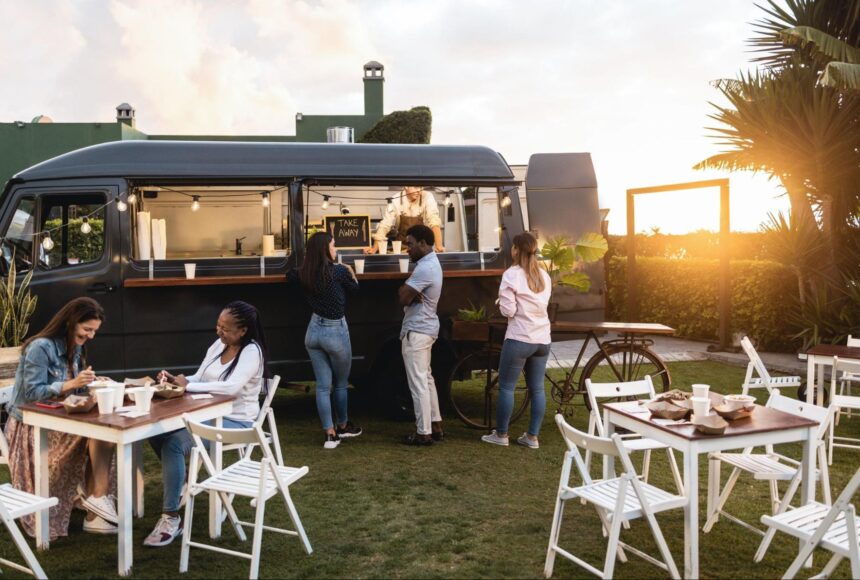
x,y
315,273
63,325
247,317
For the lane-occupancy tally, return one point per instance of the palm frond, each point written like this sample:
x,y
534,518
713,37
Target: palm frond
x,y
823,45
841,75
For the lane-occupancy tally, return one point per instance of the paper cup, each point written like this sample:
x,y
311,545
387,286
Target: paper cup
x,y
701,405
396,247
359,266
143,399
404,265
119,394
104,397
701,391
190,270
382,246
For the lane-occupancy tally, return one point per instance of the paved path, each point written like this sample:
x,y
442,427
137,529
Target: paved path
x,y
679,349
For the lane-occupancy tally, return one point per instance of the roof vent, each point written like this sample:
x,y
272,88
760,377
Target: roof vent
x,y
373,70
125,114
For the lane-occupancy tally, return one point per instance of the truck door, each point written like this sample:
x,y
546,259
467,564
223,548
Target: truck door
x,y
81,258
561,193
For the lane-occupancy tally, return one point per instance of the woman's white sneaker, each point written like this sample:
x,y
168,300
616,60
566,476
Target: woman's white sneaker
x,y
102,506
525,441
99,525
166,530
495,439
331,441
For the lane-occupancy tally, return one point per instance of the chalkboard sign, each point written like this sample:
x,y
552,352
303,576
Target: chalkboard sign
x,y
349,231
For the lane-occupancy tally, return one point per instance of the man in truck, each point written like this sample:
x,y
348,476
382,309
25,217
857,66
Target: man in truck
x,y
419,297
412,207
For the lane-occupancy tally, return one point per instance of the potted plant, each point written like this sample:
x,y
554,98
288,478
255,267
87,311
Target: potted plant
x,y
17,305
564,262
471,324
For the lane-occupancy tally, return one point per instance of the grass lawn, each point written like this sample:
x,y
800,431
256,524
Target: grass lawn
x,y
374,508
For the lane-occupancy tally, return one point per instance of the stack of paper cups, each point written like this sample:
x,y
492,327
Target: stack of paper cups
x,y
144,239
269,245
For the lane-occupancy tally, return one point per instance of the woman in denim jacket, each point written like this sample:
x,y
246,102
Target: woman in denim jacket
x,y
326,285
53,364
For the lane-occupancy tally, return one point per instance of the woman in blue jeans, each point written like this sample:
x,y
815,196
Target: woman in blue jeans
x,y
326,285
523,299
236,364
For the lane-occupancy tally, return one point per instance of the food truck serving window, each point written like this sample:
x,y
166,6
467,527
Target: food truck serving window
x,y
213,221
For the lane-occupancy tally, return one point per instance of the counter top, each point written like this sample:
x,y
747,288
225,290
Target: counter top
x,y
279,278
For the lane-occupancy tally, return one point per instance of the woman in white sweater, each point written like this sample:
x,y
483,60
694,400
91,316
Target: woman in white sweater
x,y
235,365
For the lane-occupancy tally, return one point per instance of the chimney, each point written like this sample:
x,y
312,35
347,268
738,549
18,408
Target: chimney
x,y
373,80
125,114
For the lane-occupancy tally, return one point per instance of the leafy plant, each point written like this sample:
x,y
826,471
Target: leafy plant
x,y
472,314
563,260
412,126
17,305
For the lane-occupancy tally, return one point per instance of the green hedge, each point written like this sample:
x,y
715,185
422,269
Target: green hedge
x,y
684,294
412,126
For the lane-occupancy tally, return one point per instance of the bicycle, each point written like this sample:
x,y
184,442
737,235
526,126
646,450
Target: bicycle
x,y
626,359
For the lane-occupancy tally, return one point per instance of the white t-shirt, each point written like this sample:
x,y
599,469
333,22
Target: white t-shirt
x,y
244,382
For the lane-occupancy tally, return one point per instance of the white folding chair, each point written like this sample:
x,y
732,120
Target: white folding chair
x,y
764,379
769,466
15,504
632,441
842,403
616,500
846,380
833,528
267,416
5,398
258,480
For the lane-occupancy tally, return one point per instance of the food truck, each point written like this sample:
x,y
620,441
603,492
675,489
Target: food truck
x,y
165,233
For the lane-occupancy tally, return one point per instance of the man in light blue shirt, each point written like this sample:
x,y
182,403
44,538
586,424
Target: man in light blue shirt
x,y
420,297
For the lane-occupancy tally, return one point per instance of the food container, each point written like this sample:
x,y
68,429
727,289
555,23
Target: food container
x,y
666,410
169,390
738,401
730,414
673,396
710,424
141,382
79,403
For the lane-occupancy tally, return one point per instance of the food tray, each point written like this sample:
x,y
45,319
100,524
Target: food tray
x,y
674,395
79,404
142,382
666,410
730,414
710,425
169,391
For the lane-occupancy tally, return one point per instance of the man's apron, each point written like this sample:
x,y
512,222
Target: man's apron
x,y
406,223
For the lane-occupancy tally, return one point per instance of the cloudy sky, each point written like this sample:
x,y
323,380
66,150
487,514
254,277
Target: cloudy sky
x,y
627,80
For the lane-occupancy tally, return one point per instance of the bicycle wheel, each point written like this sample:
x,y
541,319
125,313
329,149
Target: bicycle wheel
x,y
630,364
472,395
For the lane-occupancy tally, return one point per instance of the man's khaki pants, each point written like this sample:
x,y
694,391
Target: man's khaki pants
x,y
416,348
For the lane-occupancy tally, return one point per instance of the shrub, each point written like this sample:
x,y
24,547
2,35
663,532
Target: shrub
x,y
412,126
684,294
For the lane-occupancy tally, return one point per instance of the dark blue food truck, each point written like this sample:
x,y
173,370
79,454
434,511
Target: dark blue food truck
x,y
120,221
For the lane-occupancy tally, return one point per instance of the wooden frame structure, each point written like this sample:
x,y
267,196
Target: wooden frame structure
x,y
725,281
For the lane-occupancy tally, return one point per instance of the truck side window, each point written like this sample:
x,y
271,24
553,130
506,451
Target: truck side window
x,y
18,238
64,217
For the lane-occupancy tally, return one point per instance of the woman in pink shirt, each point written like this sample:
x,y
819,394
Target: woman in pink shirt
x,y
523,298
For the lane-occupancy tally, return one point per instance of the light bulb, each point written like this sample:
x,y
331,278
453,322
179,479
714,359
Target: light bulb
x,y
447,200
195,203
48,243
120,205
390,205
506,200
265,200
325,202
85,226
132,198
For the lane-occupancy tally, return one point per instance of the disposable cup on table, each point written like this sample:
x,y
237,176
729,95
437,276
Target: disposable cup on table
x,y
396,247
143,399
404,265
701,406
382,246
118,394
190,271
104,398
700,390
359,266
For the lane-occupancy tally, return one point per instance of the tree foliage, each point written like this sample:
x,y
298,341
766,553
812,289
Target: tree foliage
x,y
412,126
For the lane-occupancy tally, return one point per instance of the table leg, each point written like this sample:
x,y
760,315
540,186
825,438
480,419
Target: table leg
x,y
691,513
42,487
608,460
137,461
214,499
810,377
124,484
